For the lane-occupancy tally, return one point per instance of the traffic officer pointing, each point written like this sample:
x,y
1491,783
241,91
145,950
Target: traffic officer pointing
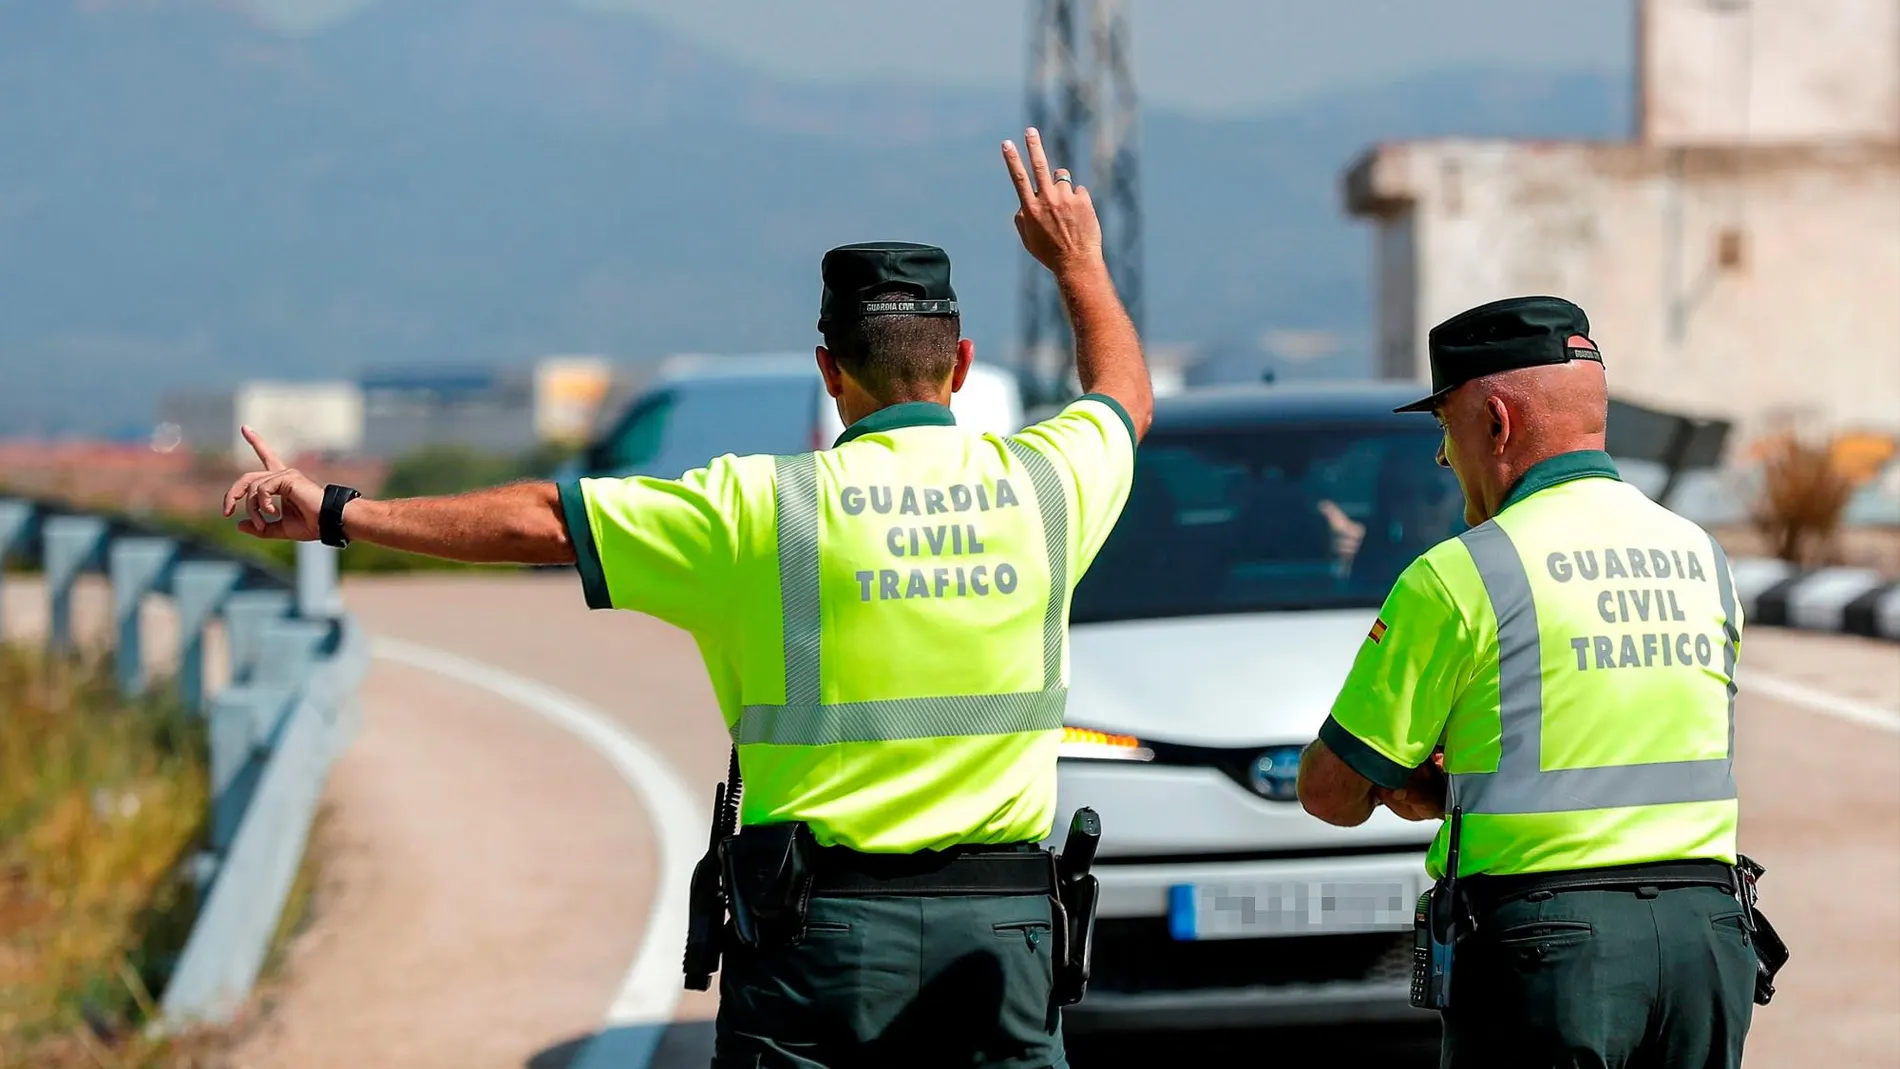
x,y
1562,676
886,628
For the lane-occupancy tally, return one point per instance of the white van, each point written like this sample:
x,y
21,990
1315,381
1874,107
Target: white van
x,y
698,407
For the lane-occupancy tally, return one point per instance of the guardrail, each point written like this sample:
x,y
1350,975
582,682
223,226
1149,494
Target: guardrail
x,y
289,710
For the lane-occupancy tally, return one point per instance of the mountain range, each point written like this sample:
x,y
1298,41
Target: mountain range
x,y
188,198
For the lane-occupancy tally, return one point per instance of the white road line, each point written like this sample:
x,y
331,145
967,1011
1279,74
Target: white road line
x,y
1819,701
643,1006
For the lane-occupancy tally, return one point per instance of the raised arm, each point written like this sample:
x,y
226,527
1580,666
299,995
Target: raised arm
x,y
520,523
1059,227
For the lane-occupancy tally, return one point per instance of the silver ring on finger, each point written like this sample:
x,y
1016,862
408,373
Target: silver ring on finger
x,y
1063,176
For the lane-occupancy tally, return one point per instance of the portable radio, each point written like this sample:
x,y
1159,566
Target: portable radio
x,y
1435,931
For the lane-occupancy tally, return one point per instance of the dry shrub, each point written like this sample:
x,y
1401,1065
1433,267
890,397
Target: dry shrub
x,y
1804,494
101,802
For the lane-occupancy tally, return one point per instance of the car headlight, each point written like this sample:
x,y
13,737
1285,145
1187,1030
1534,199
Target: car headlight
x,y
1087,744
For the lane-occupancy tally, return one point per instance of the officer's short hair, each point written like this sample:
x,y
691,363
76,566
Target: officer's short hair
x,y
891,354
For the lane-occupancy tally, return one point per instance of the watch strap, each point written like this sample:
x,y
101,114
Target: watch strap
x,y
330,516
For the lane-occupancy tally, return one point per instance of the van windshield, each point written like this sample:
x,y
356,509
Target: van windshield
x,y
670,432
1285,516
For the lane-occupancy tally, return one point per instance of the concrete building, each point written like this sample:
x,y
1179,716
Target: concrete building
x,y
1739,259
392,411
410,408
297,418
493,410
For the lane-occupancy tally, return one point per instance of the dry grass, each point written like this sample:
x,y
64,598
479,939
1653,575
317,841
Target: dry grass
x,y
1805,491
101,800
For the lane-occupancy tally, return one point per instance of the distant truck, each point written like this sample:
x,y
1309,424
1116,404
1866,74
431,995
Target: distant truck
x,y
700,407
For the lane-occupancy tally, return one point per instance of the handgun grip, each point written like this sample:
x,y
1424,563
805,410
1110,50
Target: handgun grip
x,y
1085,836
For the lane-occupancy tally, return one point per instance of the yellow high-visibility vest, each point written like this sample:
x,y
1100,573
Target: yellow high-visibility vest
x,y
885,622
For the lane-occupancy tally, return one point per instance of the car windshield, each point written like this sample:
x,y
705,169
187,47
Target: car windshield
x,y
1282,516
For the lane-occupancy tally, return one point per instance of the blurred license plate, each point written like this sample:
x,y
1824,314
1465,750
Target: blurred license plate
x,y
1250,910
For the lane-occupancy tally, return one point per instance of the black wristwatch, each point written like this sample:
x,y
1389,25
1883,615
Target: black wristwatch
x,y
330,516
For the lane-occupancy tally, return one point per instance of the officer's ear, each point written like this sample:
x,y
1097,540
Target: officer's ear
x,y
1500,416
829,370
966,355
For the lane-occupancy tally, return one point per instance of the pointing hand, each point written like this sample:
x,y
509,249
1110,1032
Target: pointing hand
x,y
279,502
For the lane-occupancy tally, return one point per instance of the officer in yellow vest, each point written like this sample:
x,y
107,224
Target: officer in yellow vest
x,y
886,628
1562,676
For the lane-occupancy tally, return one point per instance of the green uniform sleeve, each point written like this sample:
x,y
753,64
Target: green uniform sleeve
x,y
1411,669
1091,445
659,546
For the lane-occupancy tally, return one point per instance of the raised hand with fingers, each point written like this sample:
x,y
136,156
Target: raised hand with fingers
x,y
279,501
1057,219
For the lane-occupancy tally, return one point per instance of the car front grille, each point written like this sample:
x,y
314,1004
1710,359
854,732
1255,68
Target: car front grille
x,y
1138,956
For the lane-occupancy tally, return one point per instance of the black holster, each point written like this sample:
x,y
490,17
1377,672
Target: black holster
x,y
1077,894
768,878
1770,952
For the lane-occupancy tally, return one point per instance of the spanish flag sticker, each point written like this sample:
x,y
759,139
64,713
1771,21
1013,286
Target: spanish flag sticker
x,y
1378,630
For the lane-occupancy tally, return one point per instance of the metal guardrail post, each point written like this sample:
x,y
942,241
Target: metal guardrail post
x,y
288,650
70,545
242,722
245,614
137,567
199,588
317,594
221,960
16,521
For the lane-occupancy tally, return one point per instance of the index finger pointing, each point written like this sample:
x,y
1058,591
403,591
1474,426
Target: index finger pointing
x,y
1017,173
271,463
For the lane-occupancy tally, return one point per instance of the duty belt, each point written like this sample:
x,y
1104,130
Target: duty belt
x,y
1010,869
1484,892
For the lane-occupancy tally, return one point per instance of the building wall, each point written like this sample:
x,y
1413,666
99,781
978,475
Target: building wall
x,y
300,417
1768,71
1741,283
568,394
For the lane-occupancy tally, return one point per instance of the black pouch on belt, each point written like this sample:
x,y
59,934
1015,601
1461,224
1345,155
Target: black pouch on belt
x,y
769,879
1770,952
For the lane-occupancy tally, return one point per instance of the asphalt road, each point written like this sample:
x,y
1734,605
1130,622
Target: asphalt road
x,y
495,870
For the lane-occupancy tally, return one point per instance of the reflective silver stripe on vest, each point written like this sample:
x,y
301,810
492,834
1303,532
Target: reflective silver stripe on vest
x,y
1520,785
1731,649
902,718
797,492
1055,536
805,720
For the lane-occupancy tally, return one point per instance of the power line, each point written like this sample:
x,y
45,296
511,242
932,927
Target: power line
x,y
1081,91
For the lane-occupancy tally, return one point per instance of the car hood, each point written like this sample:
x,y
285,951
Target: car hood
x,y
1241,680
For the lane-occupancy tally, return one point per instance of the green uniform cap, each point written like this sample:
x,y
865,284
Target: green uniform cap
x,y
855,273
1518,332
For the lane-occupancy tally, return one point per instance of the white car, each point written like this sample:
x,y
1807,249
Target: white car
x,y
1208,641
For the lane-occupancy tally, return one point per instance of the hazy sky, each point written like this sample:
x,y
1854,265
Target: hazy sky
x,y
1210,56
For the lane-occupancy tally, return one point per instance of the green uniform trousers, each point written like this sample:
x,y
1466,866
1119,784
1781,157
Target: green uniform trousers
x,y
1648,979
879,982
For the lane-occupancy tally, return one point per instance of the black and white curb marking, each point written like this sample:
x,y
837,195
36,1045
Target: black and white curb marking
x,y
1857,601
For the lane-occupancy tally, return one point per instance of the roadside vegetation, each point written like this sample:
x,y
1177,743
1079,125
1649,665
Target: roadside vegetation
x,y
1805,490
103,804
